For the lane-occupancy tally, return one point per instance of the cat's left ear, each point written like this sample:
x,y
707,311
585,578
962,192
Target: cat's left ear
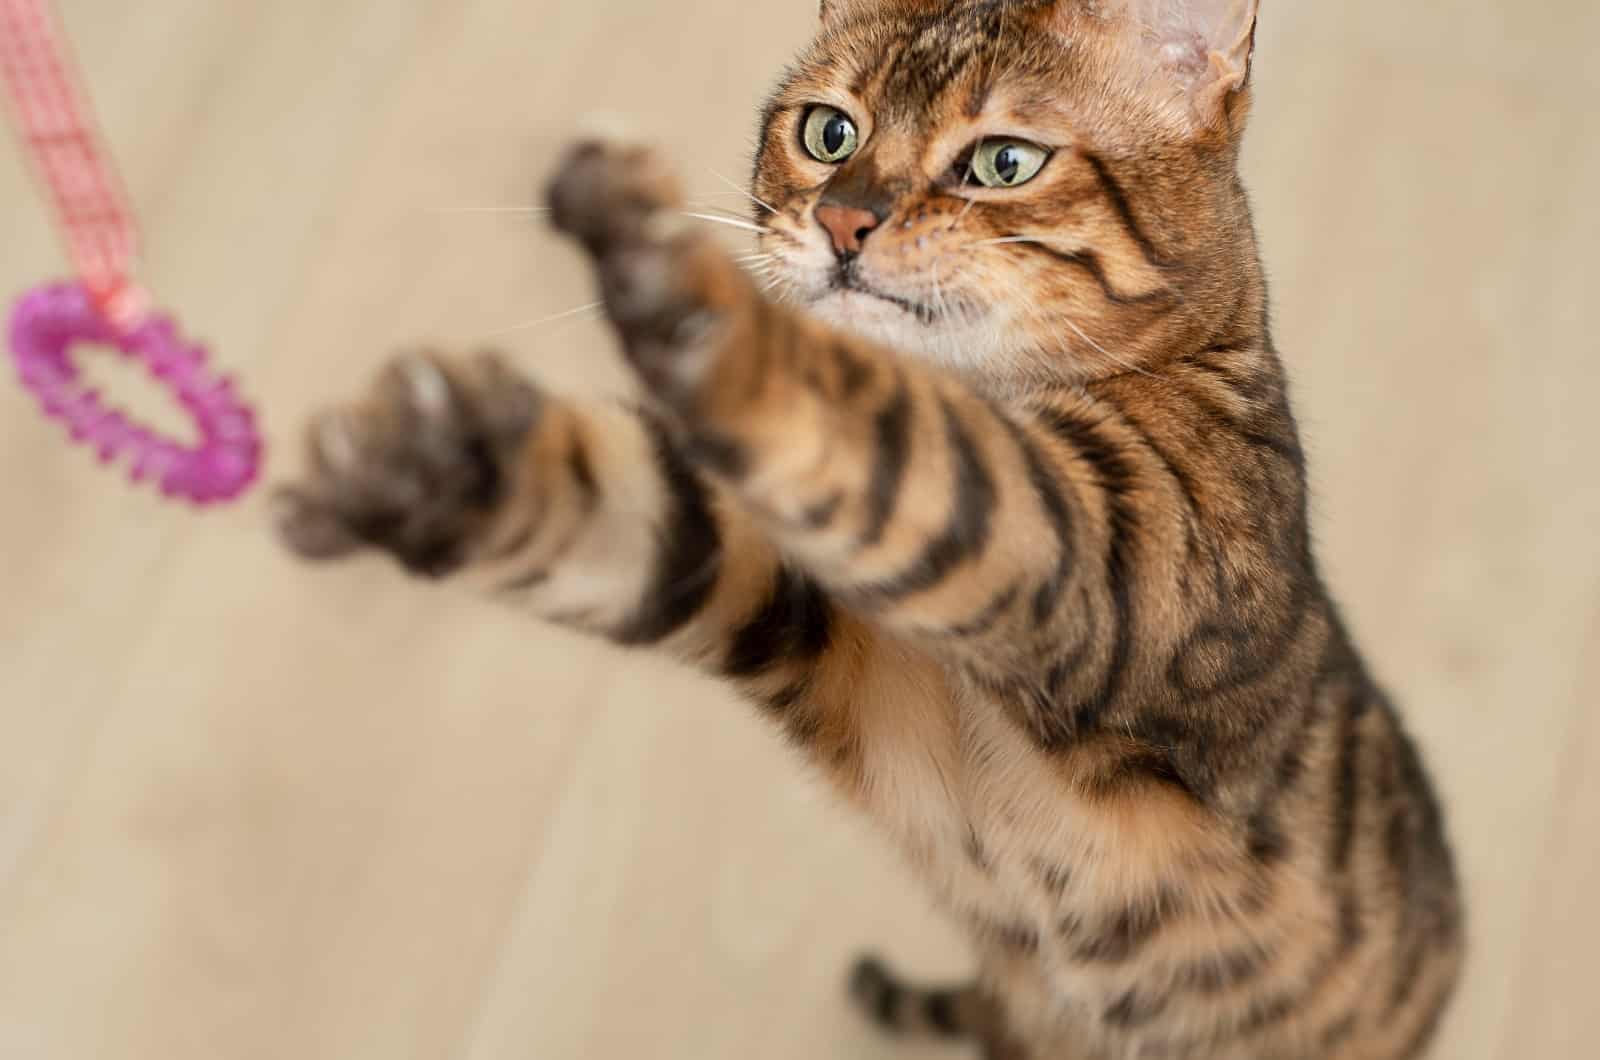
x,y
1206,46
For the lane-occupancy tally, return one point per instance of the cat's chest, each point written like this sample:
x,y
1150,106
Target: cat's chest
x,y
941,771
979,812
1005,839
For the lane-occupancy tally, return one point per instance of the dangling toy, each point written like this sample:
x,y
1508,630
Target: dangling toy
x,y
104,306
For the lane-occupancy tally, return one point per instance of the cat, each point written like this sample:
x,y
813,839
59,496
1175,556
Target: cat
x,y
996,507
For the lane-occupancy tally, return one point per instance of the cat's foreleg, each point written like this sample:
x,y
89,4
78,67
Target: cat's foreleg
x,y
583,515
986,534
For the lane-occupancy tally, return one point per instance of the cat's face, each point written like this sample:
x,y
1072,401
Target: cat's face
x,y
1013,187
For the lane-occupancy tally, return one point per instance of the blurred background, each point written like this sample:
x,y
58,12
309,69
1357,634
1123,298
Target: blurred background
x,y
248,810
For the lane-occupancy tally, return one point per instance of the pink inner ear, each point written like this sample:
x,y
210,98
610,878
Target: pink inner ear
x,y
1189,55
1188,31
1204,46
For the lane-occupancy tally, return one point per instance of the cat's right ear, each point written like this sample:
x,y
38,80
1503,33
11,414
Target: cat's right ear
x,y
1201,49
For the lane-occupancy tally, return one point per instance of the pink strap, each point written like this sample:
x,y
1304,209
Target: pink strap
x,y
53,120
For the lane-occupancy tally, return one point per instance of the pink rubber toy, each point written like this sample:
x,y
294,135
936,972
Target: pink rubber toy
x,y
46,324
105,307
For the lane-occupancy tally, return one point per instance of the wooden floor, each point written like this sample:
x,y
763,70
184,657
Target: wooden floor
x,y
252,811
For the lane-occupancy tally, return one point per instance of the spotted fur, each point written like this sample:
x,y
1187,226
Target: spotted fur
x,y
998,512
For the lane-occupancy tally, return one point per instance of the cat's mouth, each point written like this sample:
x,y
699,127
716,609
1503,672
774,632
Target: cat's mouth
x,y
846,280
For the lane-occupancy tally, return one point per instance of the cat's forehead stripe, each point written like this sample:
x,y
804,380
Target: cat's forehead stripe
x,y
938,51
934,51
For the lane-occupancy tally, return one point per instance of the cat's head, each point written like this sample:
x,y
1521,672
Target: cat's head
x,y
1018,188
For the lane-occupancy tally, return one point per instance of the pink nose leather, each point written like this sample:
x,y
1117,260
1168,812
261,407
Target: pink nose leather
x,y
847,226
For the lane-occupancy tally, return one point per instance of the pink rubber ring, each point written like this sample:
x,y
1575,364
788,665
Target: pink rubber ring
x,y
49,321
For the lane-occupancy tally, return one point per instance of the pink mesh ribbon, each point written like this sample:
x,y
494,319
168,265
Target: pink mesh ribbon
x,y
105,307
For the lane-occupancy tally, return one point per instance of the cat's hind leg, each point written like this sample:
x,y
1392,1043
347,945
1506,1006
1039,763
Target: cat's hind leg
x,y
901,1008
964,1011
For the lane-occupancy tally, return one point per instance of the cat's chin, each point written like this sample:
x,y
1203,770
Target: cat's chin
x,y
871,316
962,344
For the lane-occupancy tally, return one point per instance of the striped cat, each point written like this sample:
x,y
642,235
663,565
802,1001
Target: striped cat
x,y
996,508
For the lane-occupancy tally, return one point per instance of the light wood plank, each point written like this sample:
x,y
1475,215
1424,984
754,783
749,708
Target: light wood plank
x,y
247,810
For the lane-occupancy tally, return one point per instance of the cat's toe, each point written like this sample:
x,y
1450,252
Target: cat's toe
x,y
673,293
607,191
360,465
310,525
869,978
418,469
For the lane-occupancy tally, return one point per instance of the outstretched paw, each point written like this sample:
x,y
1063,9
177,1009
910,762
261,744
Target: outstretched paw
x,y
672,292
417,469
607,193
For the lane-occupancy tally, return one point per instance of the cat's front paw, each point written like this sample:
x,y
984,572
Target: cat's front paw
x,y
674,295
418,468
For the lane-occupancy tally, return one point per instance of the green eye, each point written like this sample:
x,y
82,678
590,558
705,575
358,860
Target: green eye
x,y
829,134
1007,163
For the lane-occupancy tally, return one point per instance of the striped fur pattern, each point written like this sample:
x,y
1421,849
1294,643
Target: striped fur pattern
x,y
998,513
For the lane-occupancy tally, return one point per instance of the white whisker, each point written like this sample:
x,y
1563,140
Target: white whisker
x,y
549,319
730,222
720,211
757,263
759,202
1113,358
490,209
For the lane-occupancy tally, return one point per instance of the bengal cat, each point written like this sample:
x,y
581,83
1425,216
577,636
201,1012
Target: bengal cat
x,y
996,508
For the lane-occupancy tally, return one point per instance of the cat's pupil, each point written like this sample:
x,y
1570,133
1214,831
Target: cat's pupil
x,y
1006,163
834,134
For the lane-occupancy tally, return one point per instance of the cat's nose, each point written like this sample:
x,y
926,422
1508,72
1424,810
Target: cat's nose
x,y
847,226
